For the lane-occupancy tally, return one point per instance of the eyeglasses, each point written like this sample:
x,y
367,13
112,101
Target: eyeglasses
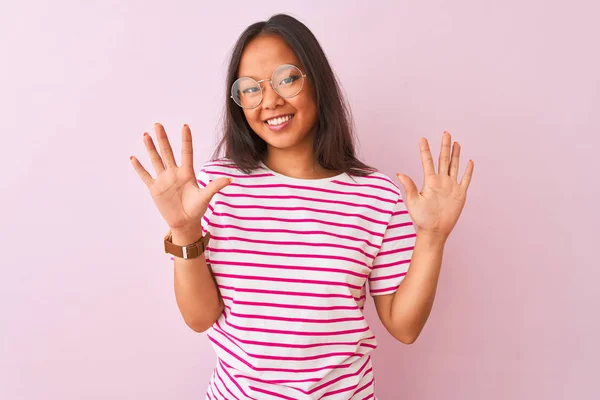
x,y
287,81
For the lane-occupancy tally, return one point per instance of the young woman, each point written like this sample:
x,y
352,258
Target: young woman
x,y
296,228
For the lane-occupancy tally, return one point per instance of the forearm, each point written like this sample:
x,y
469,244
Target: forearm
x,y
196,291
413,301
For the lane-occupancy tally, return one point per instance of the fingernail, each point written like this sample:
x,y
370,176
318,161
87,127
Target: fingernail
x,y
146,134
185,125
130,158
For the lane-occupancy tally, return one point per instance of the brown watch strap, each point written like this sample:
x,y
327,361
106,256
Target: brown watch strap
x,y
186,252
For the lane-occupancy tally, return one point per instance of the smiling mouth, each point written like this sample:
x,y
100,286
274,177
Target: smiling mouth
x,y
279,120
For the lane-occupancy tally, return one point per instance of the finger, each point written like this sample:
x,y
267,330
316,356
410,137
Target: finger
x,y
426,158
164,146
409,186
146,177
214,186
455,161
466,179
444,161
154,156
187,152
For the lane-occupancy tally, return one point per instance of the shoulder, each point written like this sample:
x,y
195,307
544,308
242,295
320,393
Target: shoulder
x,y
221,167
218,164
379,182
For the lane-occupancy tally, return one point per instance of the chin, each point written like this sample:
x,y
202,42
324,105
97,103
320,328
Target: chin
x,y
282,140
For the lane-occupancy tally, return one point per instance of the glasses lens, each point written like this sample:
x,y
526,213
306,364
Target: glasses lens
x,y
246,92
287,80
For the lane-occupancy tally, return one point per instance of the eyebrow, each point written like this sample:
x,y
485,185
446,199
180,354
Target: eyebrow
x,y
269,77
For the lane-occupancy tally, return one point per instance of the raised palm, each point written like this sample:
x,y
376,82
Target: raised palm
x,y
175,190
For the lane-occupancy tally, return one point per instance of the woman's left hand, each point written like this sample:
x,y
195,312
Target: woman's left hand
x,y
436,208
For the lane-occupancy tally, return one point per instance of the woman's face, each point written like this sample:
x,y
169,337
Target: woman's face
x,y
259,59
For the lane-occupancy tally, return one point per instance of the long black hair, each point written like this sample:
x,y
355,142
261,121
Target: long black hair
x,y
334,140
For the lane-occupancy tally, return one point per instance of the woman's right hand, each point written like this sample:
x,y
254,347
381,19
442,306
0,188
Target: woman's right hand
x,y
175,191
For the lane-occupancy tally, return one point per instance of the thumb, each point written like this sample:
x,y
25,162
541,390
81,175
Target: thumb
x,y
215,185
409,185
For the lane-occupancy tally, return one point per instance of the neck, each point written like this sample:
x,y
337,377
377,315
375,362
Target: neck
x,y
300,164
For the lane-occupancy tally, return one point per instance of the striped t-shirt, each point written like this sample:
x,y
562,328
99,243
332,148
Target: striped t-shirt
x,y
292,259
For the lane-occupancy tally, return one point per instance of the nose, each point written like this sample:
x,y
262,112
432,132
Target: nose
x,y
270,97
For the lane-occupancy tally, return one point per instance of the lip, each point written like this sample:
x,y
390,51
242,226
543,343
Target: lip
x,y
277,116
279,127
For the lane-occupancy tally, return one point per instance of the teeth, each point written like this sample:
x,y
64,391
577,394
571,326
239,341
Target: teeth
x,y
279,121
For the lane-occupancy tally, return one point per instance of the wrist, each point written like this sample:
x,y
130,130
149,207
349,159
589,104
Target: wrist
x,y
432,238
186,236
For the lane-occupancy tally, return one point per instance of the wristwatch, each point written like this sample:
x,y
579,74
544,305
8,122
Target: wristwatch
x,y
186,252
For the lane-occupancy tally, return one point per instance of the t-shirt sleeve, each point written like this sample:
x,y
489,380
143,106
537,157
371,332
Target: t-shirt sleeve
x,y
203,179
393,259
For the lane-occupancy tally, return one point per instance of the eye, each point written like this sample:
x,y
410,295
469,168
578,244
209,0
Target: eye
x,y
289,80
250,90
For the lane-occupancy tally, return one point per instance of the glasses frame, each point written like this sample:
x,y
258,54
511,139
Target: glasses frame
x,y
270,80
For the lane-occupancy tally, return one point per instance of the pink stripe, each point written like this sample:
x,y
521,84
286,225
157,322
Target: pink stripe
x,y
341,377
300,333
234,382
295,232
383,178
362,367
294,306
280,380
349,388
293,370
409,223
318,210
272,343
298,220
382,278
399,212
392,239
236,175
368,345
395,192
290,243
213,392
400,250
274,279
307,294
218,390
392,264
385,289
223,382
309,320
315,389
264,357
291,255
310,188
274,394
315,199
367,385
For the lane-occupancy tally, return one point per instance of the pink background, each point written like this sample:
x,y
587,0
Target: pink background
x,y
87,309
